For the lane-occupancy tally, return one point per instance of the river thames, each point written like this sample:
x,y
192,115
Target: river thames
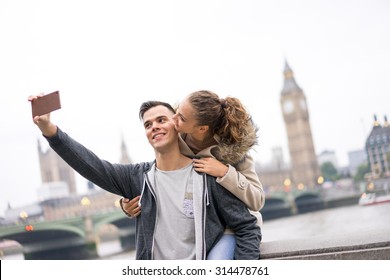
x,y
343,220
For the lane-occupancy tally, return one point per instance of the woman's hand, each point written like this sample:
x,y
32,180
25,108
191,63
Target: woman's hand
x,y
210,166
131,207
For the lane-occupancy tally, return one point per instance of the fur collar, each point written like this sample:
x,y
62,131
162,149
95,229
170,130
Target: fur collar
x,y
233,154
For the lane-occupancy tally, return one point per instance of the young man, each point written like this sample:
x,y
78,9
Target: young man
x,y
184,212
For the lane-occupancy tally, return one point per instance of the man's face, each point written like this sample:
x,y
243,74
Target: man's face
x,y
159,128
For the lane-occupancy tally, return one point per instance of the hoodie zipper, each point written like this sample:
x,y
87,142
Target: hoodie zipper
x,y
206,202
148,184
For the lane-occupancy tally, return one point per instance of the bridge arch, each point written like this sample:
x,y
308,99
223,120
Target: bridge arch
x,y
50,242
43,227
110,219
275,207
113,233
308,201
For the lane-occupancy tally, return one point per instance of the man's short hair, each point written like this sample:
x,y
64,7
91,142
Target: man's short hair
x,y
150,104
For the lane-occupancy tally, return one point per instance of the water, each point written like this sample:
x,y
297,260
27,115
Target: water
x,y
346,220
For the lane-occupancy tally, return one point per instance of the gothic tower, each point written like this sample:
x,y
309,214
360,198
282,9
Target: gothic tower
x,y
125,159
55,169
304,165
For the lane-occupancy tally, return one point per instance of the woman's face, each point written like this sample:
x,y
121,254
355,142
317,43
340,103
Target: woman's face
x,y
184,118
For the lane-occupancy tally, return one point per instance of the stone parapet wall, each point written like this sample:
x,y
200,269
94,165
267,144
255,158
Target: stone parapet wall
x,y
367,245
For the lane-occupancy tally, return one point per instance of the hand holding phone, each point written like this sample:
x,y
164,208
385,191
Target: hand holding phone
x,y
46,104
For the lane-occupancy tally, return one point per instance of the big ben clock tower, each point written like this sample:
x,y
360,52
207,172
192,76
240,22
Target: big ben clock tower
x,y
304,165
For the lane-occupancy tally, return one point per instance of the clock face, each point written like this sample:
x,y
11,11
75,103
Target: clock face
x,y
302,103
288,106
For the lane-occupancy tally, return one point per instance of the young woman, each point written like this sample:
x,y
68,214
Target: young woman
x,y
218,134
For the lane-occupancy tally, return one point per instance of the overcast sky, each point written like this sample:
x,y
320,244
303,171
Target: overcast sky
x,y
107,57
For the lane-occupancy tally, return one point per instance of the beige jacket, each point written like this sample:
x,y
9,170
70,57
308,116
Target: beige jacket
x,y
241,178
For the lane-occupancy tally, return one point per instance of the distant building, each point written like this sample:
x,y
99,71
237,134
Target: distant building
x,y
125,159
277,158
328,156
304,165
53,190
95,201
378,149
58,196
355,159
74,205
23,214
55,174
273,177
303,168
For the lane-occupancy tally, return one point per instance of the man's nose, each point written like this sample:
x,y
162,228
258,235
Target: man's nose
x,y
155,126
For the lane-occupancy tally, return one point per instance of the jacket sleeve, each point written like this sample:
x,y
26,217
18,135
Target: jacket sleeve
x,y
244,183
235,215
114,178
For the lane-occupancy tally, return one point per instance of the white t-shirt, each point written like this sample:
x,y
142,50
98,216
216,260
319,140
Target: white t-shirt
x,y
175,228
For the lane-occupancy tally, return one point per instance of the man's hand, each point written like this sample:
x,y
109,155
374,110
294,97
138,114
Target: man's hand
x,y
131,207
43,122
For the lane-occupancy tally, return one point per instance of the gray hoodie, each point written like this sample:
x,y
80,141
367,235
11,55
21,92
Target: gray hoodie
x,y
215,208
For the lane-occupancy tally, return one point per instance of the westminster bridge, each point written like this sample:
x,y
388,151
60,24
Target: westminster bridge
x,y
82,237
103,234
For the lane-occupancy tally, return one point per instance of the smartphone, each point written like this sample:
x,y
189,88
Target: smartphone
x,y
46,104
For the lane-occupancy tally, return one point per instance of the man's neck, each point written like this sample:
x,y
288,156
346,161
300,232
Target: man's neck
x,y
171,161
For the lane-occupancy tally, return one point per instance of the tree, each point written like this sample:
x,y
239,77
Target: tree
x,y
329,171
362,170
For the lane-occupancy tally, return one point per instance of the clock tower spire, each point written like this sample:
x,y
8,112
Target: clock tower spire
x,y
304,166
289,81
